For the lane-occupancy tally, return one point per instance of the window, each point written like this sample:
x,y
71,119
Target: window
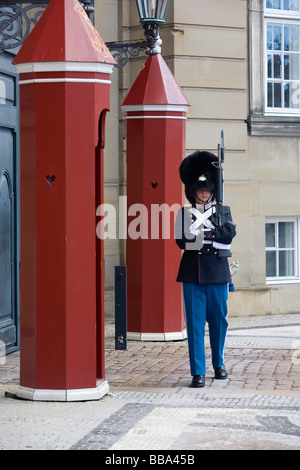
x,y
282,56
286,5
274,61
282,253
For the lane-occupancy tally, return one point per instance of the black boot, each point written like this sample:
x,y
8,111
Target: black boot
x,y
198,381
220,373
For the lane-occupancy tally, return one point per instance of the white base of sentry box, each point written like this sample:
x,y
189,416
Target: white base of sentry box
x,y
173,336
82,394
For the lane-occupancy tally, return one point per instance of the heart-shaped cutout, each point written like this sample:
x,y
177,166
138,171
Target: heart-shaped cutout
x,y
154,185
50,179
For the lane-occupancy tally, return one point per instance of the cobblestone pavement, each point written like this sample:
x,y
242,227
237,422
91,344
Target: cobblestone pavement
x,y
167,365
151,406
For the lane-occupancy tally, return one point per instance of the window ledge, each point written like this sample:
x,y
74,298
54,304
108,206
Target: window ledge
x,y
282,282
274,125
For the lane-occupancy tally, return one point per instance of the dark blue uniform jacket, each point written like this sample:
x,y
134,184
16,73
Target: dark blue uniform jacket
x,y
205,266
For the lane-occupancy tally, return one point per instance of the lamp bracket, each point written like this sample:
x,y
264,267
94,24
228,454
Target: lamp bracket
x,y
152,37
121,50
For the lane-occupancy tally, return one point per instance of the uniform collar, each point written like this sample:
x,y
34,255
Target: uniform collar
x,y
203,207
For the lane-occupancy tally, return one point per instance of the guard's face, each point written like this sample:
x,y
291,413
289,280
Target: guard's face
x,y
203,194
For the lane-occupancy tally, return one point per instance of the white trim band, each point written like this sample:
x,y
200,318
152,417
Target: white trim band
x,y
64,67
221,246
64,80
63,395
156,117
155,107
175,336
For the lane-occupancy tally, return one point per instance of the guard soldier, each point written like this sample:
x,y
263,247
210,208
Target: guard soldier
x,y
204,269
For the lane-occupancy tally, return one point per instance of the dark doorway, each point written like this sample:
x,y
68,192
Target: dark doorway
x,y
9,318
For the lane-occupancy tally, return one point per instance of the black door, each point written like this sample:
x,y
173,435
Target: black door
x,y
9,321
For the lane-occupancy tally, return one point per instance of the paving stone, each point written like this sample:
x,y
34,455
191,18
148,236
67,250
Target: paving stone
x,y
152,406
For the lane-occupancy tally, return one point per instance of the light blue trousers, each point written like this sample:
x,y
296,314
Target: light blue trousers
x,y
205,302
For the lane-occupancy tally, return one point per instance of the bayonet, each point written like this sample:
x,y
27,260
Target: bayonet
x,y
222,146
221,214
219,188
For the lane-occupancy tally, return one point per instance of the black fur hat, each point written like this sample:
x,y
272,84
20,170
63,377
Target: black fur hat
x,y
198,172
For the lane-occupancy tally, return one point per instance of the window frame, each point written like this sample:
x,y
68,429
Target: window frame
x,y
280,11
295,279
260,122
282,18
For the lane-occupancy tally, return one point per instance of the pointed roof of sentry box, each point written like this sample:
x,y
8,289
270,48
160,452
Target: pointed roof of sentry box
x,y
155,84
64,33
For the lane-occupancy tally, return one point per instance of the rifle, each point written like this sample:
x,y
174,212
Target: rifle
x,y
220,182
222,213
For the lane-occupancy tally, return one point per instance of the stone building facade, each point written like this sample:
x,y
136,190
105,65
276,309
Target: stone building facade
x,y
237,63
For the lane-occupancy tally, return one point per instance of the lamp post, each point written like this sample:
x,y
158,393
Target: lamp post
x,y
152,13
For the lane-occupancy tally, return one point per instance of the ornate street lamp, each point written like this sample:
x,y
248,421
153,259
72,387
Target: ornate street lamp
x,y
152,13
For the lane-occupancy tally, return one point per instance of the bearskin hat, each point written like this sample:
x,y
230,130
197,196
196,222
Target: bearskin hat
x,y
198,172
